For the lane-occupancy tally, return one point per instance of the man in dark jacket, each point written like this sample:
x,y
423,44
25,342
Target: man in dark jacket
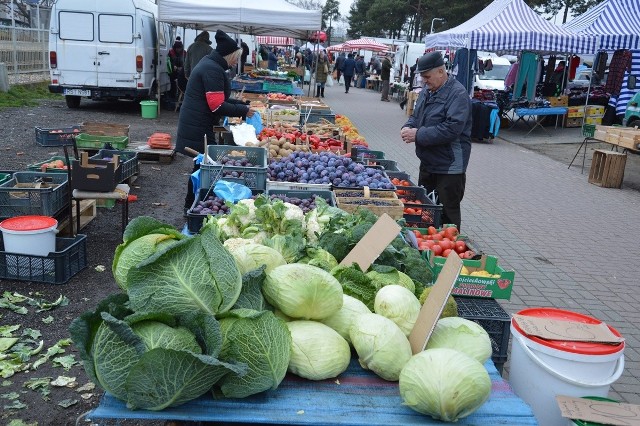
x,y
245,55
440,126
348,69
385,76
207,99
360,72
337,66
200,48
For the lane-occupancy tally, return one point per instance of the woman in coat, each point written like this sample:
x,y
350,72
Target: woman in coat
x,y
322,71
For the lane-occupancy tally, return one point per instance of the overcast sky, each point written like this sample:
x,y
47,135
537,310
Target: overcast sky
x,y
344,7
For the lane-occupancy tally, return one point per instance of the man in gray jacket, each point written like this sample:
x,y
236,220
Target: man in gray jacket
x,y
200,48
440,126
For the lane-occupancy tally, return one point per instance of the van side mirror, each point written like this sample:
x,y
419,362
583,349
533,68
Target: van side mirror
x,y
631,82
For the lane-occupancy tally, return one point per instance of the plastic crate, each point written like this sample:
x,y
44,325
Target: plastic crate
x,y
328,196
104,129
37,167
252,86
317,118
256,155
56,136
4,177
296,186
272,86
588,130
387,165
86,141
490,315
400,175
361,154
252,177
21,201
57,267
129,164
195,220
431,214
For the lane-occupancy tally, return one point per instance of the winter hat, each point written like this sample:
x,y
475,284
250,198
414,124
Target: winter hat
x,y
225,45
203,36
430,61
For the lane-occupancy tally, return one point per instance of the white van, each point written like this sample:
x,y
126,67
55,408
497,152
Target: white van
x,y
492,79
106,50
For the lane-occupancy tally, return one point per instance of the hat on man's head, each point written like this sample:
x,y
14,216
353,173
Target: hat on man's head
x,y
203,36
430,61
225,45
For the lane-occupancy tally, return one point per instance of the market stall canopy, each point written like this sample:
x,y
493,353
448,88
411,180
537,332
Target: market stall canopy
x,y
366,44
275,41
256,17
511,26
616,22
340,48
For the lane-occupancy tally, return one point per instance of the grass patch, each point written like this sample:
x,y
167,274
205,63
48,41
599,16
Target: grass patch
x,y
26,95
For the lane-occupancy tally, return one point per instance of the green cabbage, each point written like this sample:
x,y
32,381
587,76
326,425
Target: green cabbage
x,y
381,346
303,291
289,246
320,258
399,305
318,352
462,335
251,256
444,383
342,320
392,277
450,309
260,340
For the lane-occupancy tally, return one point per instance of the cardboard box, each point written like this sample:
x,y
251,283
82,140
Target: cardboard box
x,y
478,286
594,111
573,121
89,174
559,101
593,120
575,111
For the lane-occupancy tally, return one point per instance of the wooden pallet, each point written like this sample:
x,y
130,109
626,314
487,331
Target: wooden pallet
x,y
88,212
151,155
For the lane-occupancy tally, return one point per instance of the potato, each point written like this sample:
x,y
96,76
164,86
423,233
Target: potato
x,y
286,145
273,153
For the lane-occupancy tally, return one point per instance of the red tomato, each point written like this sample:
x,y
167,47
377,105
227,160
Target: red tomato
x,y
430,243
446,252
417,233
461,246
436,237
432,230
451,232
446,244
469,254
437,250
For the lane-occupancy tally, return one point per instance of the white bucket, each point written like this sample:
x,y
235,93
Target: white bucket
x,y
538,373
31,235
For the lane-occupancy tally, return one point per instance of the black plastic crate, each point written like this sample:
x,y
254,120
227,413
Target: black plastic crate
x,y
47,200
195,220
400,175
430,213
490,315
56,137
360,154
317,117
328,196
129,164
57,267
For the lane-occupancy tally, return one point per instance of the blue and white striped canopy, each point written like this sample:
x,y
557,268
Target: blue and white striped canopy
x,y
511,26
620,102
616,22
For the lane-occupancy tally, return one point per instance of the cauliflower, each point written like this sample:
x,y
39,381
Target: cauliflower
x,y
294,212
233,243
226,229
313,229
244,212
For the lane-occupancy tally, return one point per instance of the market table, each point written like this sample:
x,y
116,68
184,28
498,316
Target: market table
x,y
358,397
254,89
538,114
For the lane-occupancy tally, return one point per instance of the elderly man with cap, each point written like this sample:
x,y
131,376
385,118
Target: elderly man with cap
x,y
200,48
440,126
208,98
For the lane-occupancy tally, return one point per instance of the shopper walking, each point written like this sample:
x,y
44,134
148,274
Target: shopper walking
x,y
338,65
385,76
200,48
440,126
360,72
322,71
348,70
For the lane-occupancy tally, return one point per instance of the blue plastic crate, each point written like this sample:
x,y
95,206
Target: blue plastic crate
x,y
21,196
56,136
129,164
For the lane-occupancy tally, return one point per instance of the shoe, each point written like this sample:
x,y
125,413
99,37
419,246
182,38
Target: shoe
x,y
385,100
402,104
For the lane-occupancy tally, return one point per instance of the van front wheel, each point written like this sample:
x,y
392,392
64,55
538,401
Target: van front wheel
x,y
72,101
634,123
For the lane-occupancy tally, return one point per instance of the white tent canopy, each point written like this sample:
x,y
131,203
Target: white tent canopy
x,y
256,17
511,26
615,22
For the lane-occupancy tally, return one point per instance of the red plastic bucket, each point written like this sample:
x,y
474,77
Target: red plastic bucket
x,y
32,235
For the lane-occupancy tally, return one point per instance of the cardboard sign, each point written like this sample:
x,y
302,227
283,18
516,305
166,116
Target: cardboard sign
x,y
381,234
435,303
605,412
573,331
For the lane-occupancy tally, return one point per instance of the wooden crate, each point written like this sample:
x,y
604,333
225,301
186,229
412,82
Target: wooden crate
x,y
88,212
607,168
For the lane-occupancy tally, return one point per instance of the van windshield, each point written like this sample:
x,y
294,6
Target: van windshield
x,y
498,72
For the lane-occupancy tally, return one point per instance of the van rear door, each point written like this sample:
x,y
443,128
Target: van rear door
x,y
76,51
116,50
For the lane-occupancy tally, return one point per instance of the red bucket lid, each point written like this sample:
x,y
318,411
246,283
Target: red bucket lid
x,y
28,223
585,348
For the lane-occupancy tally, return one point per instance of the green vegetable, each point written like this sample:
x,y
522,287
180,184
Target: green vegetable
x,y
450,309
399,305
150,361
462,335
289,246
386,275
445,384
318,352
303,291
356,284
381,346
320,258
251,294
342,320
251,256
260,340
196,274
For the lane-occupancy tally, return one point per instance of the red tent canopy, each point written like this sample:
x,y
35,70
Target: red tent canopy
x,y
340,48
366,44
275,41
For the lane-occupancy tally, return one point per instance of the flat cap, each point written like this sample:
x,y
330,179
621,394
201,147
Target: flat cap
x,y
430,61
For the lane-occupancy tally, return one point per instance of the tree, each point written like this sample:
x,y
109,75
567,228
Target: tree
x,y
306,4
359,25
553,7
330,12
22,8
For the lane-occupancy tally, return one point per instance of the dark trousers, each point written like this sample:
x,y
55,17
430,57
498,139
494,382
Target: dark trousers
x,y
450,189
191,196
347,83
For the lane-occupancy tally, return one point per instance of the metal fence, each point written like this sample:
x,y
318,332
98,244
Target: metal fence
x,y
25,52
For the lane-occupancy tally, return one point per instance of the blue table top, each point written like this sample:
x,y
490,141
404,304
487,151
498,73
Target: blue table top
x,y
250,89
359,397
542,111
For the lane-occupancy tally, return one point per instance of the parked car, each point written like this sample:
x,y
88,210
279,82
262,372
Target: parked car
x,y
582,79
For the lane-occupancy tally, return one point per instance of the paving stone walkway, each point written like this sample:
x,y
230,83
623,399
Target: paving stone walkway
x,y
573,245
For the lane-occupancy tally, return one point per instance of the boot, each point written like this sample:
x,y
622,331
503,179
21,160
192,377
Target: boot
x,y
317,91
403,103
322,92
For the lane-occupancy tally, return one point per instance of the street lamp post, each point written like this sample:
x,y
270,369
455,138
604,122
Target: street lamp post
x,y
433,22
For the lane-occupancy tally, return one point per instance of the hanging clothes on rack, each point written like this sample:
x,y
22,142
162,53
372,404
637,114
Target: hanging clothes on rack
x,y
620,63
527,75
510,79
467,62
600,64
548,71
573,65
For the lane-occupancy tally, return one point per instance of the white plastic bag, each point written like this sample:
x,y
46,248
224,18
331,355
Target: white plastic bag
x,y
329,82
243,133
341,80
307,76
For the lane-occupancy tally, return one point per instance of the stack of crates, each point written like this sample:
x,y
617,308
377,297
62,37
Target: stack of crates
x,y
254,177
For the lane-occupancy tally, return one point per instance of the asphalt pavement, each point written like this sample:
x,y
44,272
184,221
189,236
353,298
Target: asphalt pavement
x,y
573,245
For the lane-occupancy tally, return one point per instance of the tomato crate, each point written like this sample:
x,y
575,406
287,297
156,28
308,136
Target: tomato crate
x,y
38,167
194,219
29,193
56,136
400,176
58,267
492,317
129,164
418,208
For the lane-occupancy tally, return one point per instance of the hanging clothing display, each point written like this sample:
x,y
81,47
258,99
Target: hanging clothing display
x,y
620,102
527,75
510,79
573,65
600,64
467,62
620,63
551,65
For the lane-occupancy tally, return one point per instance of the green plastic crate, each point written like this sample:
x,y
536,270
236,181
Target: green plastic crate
x,y
588,130
36,167
271,86
86,141
4,177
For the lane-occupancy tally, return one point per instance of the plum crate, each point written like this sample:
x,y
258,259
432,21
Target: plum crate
x,y
253,177
328,196
195,220
56,136
129,164
58,267
426,213
29,193
490,315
